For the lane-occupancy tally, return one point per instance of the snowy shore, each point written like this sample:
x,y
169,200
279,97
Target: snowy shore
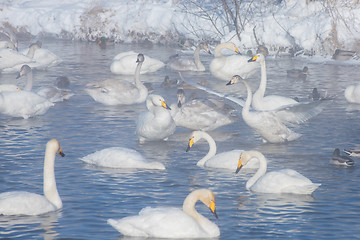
x,y
310,27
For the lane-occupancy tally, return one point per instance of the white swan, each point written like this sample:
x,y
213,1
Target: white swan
x,y
352,93
40,58
270,102
224,160
266,123
123,63
224,67
282,181
120,92
156,123
26,103
10,58
120,157
181,63
201,114
171,222
26,203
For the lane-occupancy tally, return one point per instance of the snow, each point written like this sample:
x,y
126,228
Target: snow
x,y
319,26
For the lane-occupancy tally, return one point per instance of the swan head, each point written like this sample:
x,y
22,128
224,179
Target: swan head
x,y
158,101
244,158
36,45
194,138
140,58
257,58
181,97
54,145
25,69
207,197
205,47
234,79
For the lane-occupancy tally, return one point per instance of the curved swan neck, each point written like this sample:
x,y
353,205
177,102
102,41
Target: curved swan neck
x,y
212,149
219,48
50,189
137,75
189,205
259,94
246,107
262,168
32,50
29,82
198,63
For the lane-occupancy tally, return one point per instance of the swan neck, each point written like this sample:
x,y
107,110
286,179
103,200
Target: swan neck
x,y
198,63
137,74
29,82
246,107
31,52
212,149
189,207
262,87
50,189
261,170
218,49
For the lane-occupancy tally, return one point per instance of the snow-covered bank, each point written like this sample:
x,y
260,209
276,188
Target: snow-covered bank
x,y
317,27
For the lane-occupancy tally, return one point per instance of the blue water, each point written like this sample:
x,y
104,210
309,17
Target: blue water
x,y
92,195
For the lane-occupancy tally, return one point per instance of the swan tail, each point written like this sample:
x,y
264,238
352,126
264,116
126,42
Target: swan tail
x,y
305,189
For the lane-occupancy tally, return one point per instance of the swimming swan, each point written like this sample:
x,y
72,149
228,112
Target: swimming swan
x,y
26,103
287,110
26,203
224,160
352,93
224,67
270,102
266,123
172,222
156,123
123,63
181,63
120,92
120,157
201,114
281,181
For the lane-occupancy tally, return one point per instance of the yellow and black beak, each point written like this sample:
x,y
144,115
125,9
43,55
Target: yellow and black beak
x,y
163,103
212,209
239,166
60,152
253,59
233,80
237,50
191,143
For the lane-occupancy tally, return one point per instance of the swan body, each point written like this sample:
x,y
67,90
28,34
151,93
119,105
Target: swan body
x,y
9,88
343,160
171,222
224,67
201,114
26,203
123,63
119,157
281,181
156,123
224,160
181,63
55,94
266,123
352,93
117,92
10,58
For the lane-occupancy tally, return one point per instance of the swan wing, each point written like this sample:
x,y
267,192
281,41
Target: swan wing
x,y
300,112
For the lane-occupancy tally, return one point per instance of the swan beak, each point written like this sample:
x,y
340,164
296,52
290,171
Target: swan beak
x,y
237,50
253,59
212,208
60,152
165,105
233,80
191,143
239,166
